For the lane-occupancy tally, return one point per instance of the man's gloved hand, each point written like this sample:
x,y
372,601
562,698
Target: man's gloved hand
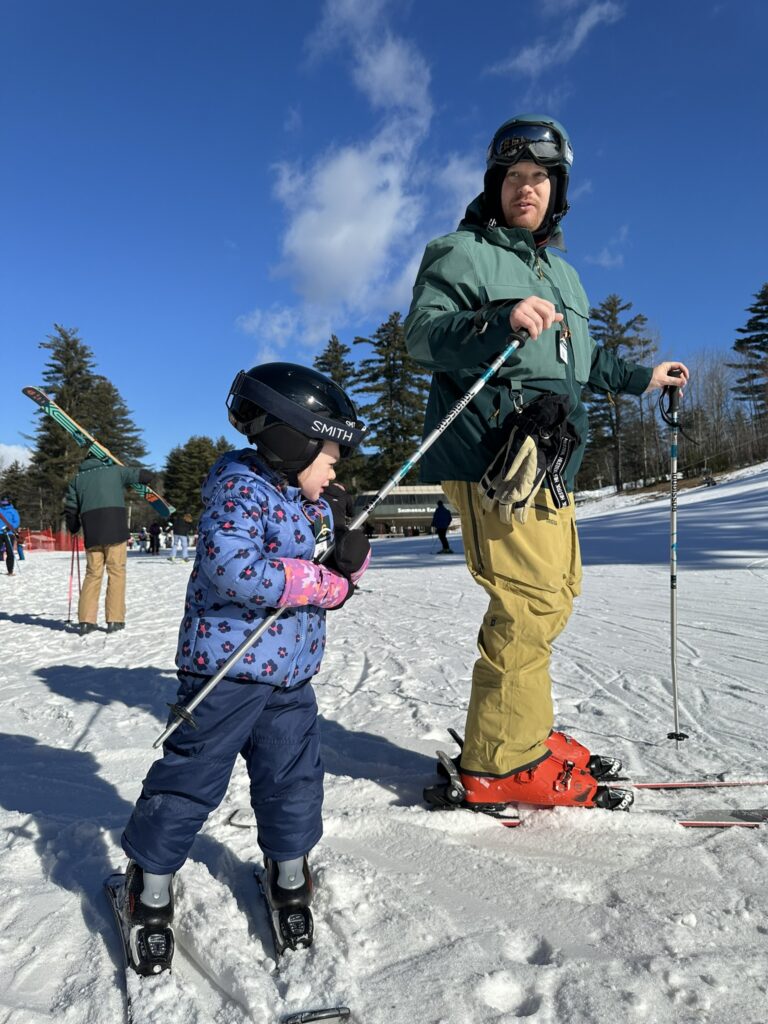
x,y
72,520
351,554
514,479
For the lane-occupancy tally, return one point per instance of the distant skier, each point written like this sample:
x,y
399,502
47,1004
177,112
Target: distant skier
x,y
263,525
526,428
441,520
154,538
9,526
183,534
96,501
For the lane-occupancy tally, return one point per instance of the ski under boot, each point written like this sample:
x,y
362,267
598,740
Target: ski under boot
x,y
290,917
147,929
599,766
550,783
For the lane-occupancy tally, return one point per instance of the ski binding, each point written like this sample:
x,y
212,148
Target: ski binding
x,y
146,951
292,927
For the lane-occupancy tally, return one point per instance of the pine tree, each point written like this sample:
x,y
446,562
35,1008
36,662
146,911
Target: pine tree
x,y
611,415
185,469
71,381
333,362
354,471
398,387
752,386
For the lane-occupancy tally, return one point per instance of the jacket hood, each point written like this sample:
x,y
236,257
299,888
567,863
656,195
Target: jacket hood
x,y
246,461
477,216
90,462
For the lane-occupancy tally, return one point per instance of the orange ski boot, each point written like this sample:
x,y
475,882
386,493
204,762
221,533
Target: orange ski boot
x,y
568,749
550,783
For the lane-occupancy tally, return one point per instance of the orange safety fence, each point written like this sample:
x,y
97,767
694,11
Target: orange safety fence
x,y
45,540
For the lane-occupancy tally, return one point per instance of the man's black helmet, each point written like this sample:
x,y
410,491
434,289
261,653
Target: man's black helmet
x,y
288,411
530,137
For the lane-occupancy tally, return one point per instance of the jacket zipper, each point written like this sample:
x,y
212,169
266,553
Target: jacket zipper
x,y
475,533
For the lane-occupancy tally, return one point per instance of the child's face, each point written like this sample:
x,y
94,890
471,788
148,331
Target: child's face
x,y
319,473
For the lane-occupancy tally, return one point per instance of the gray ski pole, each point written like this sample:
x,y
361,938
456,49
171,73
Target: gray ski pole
x,y
183,713
674,405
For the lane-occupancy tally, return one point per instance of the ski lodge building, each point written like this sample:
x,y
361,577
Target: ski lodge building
x,y
406,510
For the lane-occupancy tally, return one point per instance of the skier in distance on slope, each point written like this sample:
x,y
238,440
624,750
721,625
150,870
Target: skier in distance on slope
x,y
508,463
264,523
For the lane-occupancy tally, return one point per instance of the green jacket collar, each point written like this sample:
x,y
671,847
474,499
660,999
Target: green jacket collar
x,y
517,239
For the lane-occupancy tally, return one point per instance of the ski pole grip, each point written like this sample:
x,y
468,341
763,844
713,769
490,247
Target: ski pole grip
x,y
674,392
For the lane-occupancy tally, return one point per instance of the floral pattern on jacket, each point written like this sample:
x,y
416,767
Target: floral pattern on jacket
x,y
252,520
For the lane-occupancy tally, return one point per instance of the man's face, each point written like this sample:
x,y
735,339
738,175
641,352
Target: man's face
x,y
525,195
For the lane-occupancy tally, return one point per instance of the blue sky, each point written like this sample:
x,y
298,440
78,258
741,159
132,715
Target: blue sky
x,y
199,187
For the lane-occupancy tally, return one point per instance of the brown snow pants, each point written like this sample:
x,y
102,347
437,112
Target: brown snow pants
x,y
531,572
111,557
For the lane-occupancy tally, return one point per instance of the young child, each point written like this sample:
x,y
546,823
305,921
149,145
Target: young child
x,y
264,524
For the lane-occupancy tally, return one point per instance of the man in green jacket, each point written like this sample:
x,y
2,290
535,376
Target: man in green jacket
x,y
96,501
508,462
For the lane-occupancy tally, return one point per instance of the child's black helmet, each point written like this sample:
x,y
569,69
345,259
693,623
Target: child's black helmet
x,y
537,138
288,411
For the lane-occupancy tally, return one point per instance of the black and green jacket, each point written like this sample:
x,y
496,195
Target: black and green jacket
x,y
460,274
96,500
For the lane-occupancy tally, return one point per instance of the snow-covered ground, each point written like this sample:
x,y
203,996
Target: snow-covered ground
x,y
577,917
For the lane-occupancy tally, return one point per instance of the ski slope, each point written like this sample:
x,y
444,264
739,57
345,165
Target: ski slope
x,y
583,917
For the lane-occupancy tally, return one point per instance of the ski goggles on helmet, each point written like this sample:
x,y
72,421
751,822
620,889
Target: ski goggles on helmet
x,y
541,141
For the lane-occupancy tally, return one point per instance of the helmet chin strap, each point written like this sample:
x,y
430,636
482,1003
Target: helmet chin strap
x,y
542,234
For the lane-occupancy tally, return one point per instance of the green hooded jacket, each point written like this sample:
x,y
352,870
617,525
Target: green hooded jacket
x,y
460,274
96,500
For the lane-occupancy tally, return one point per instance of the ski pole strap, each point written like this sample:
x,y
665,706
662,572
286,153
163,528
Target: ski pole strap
x,y
555,470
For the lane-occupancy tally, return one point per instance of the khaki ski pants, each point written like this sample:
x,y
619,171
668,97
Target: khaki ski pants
x,y
111,557
531,573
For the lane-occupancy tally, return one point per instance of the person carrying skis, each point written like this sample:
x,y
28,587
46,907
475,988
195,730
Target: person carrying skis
x,y
508,463
9,526
263,527
96,501
441,520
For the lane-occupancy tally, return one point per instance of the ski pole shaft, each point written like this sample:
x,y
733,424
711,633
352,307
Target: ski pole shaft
x,y
674,405
183,713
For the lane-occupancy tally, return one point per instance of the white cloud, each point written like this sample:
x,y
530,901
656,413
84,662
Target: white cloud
x,y
293,121
354,211
343,20
610,257
351,212
461,178
546,54
10,453
393,75
607,259
556,8
583,189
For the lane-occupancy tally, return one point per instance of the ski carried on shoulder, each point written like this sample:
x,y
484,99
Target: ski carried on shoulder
x,y
94,447
449,796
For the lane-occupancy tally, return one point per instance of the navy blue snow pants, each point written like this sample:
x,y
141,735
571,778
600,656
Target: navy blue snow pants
x,y
276,731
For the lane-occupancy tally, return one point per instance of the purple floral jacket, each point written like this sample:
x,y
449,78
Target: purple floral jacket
x,y
257,537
